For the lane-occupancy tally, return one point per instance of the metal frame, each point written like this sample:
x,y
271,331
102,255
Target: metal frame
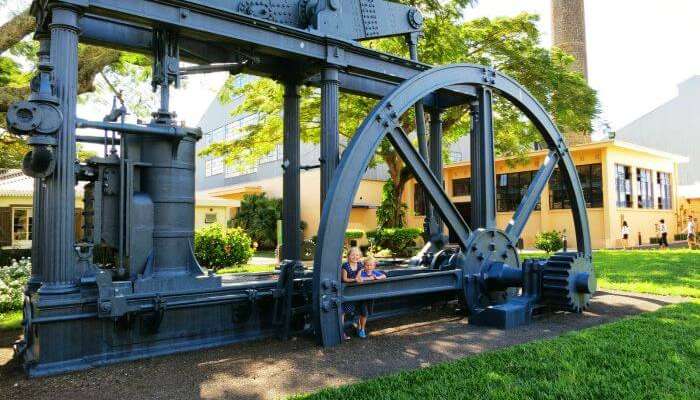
x,y
383,121
157,299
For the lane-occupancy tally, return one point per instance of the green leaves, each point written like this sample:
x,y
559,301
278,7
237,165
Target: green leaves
x,y
549,241
13,279
258,216
218,247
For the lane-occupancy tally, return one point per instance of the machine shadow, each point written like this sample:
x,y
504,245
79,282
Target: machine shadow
x,y
270,368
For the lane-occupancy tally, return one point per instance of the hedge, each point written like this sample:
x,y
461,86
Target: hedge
x,y
401,241
217,247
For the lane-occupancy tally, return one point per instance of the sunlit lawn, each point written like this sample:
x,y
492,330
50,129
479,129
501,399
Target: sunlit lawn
x,y
663,272
247,268
651,356
10,320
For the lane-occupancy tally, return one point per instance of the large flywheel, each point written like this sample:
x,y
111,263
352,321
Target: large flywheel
x,y
488,259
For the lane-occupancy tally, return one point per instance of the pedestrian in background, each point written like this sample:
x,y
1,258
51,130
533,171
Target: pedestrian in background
x,y
690,231
663,231
625,235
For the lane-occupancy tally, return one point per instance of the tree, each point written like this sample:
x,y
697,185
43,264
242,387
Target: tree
x,y
510,44
258,217
14,81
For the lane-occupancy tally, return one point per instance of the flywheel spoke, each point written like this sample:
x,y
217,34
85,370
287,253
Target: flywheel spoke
x,y
527,204
483,179
431,186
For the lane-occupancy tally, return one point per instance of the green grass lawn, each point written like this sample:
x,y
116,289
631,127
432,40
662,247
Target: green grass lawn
x,y
668,272
10,320
651,356
247,268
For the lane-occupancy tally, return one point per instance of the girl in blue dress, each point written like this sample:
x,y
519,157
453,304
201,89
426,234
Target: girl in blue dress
x,y
351,273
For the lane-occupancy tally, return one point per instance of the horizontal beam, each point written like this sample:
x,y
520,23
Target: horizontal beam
x,y
431,282
208,35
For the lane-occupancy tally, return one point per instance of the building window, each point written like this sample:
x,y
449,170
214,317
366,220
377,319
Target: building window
x,y
215,166
511,189
418,199
274,155
461,187
663,184
21,224
645,196
558,196
591,178
623,185
234,171
209,218
456,156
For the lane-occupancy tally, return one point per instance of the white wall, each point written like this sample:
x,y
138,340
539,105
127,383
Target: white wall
x,y
673,127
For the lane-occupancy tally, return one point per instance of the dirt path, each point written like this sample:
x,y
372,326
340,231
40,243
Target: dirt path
x,y
270,369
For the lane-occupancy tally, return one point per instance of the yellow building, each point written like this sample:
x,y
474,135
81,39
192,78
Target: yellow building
x,y
690,201
362,216
621,182
16,209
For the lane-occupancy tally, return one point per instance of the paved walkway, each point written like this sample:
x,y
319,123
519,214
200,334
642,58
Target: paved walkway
x,y
269,369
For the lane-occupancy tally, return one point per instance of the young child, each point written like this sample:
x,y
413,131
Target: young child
x,y
351,272
368,273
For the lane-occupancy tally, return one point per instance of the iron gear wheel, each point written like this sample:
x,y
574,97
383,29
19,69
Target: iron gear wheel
x,y
568,282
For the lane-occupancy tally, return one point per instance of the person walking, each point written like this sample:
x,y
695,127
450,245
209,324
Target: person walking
x,y
690,231
663,230
625,231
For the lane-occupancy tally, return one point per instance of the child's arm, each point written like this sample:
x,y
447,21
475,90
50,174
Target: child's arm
x,y
381,275
344,276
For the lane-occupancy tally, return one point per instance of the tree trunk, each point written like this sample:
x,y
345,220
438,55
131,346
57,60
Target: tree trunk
x,y
16,29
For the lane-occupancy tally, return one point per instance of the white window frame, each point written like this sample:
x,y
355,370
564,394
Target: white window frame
x,y
28,227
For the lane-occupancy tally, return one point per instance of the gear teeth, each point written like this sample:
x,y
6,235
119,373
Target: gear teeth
x,y
557,288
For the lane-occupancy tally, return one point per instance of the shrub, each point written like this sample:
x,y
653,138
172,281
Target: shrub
x,y
391,211
400,241
353,235
218,247
308,249
258,216
13,279
8,256
549,241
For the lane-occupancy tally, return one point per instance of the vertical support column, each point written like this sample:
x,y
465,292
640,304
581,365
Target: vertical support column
x,y
483,179
38,201
436,161
329,127
428,223
60,276
291,187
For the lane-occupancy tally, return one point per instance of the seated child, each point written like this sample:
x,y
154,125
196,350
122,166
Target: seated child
x,y
368,273
350,273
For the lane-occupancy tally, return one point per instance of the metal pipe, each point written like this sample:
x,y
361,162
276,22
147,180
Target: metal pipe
x,y
291,193
168,131
232,68
428,225
329,127
93,139
436,162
